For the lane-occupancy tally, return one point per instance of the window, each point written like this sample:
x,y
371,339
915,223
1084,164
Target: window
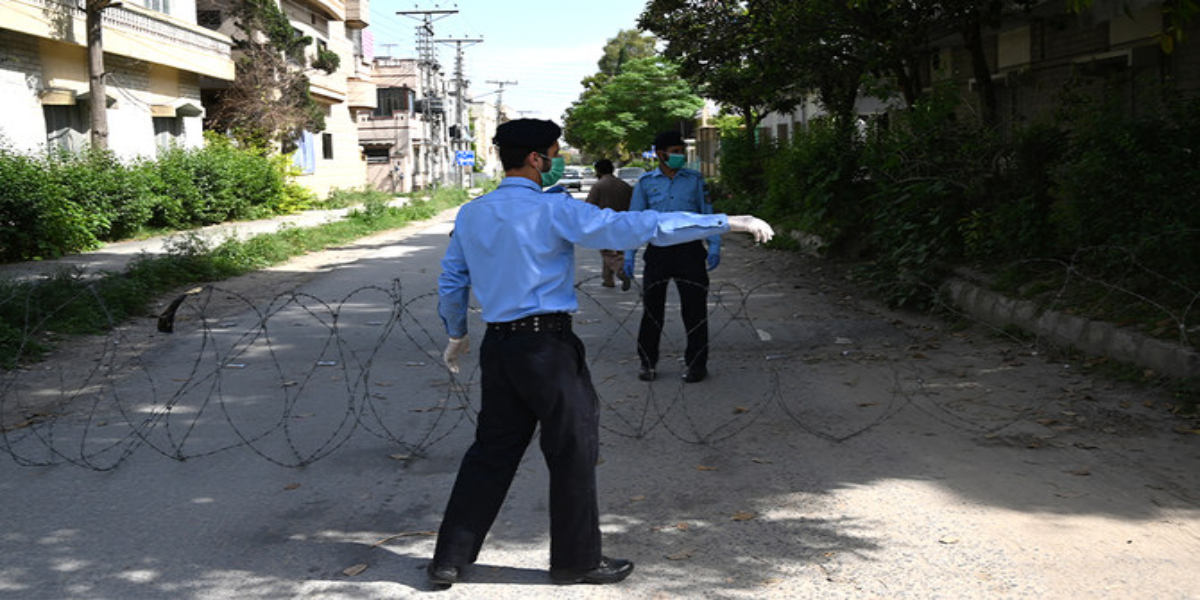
x,y
209,19
162,6
781,132
327,146
377,156
167,130
66,126
392,100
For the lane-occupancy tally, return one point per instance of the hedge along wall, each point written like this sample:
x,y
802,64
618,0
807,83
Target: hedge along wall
x,y
932,190
58,203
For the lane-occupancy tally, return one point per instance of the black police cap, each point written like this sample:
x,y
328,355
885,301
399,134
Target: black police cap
x,y
527,133
667,139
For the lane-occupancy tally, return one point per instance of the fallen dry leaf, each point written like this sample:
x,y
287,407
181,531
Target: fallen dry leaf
x,y
1082,472
355,570
401,535
948,540
291,486
705,468
682,526
400,456
684,555
737,410
744,515
637,498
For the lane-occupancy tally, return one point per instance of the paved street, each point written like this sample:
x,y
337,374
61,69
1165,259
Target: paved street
x,y
302,445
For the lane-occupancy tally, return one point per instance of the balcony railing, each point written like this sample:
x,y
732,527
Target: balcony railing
x,y
130,30
133,18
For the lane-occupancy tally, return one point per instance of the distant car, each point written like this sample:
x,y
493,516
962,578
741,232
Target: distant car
x,y
572,178
630,175
589,177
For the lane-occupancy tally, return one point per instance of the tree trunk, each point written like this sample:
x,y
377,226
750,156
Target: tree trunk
x,y
973,37
98,102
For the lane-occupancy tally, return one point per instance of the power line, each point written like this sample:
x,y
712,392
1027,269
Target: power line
x,y
500,98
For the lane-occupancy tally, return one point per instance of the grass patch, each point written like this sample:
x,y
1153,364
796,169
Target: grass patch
x,y
34,315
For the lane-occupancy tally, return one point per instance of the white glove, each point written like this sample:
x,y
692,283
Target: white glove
x,y
753,225
454,349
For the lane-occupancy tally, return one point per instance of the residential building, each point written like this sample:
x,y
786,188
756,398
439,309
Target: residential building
x,y
155,56
389,134
484,123
405,139
331,158
1111,51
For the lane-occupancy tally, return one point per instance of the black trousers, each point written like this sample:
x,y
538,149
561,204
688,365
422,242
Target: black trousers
x,y
530,379
687,265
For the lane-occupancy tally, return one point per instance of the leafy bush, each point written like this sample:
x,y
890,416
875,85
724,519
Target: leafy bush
x,y
56,203
29,223
814,182
1132,183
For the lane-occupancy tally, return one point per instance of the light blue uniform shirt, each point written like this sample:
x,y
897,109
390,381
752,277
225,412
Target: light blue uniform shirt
x,y
685,192
515,248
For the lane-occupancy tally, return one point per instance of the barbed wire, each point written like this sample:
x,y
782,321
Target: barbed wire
x,y
295,380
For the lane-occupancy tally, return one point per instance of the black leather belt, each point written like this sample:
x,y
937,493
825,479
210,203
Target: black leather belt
x,y
534,324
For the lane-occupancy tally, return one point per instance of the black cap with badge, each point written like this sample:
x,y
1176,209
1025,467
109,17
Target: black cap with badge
x,y
527,133
668,139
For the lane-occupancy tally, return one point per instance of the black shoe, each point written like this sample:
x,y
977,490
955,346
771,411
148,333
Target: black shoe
x,y
625,283
694,375
610,570
442,575
647,373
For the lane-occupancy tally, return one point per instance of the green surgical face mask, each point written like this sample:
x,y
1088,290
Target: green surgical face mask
x,y
558,165
676,161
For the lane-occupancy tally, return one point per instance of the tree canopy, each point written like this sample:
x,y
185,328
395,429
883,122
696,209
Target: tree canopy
x,y
760,56
269,100
628,45
619,113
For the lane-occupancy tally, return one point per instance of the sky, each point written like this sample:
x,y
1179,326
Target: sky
x,y
547,47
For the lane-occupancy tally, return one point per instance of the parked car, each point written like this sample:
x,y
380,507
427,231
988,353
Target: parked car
x,y
572,178
589,177
630,175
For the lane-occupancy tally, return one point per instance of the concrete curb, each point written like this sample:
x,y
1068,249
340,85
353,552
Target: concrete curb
x,y
1094,337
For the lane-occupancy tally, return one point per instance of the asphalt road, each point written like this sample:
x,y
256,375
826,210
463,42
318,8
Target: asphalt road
x,y
302,445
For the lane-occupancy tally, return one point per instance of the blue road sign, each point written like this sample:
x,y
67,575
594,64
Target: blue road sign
x,y
465,158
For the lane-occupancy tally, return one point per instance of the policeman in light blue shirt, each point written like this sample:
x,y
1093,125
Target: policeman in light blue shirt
x,y
515,249
671,188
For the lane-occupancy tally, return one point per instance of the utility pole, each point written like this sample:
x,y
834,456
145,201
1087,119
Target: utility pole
x,y
500,96
432,105
460,142
97,89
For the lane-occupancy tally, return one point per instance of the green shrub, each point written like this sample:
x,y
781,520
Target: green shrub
x,y
27,195
1132,183
814,181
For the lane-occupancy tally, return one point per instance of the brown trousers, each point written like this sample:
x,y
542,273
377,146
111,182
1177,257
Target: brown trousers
x,y
614,264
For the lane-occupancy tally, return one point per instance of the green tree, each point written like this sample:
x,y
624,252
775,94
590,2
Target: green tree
x,y
620,115
269,100
628,45
722,51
